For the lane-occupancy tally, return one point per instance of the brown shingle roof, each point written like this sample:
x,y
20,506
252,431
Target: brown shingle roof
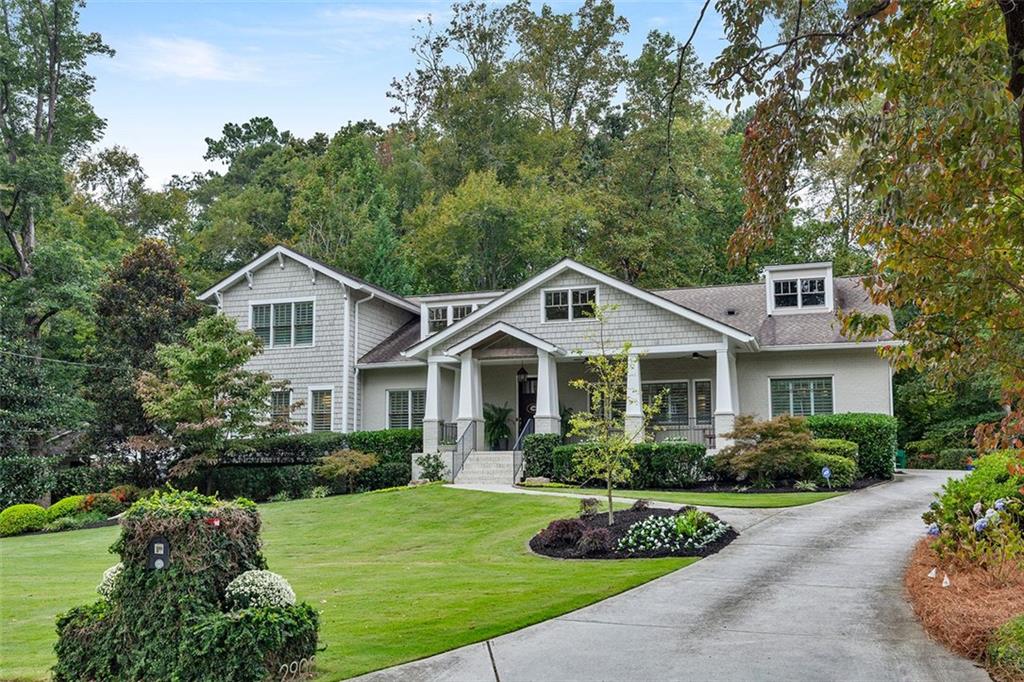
x,y
390,349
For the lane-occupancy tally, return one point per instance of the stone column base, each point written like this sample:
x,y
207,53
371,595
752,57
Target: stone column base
x,y
546,425
635,428
725,422
431,435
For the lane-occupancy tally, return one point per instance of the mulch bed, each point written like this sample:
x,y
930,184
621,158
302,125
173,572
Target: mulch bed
x,y
623,520
719,488
964,615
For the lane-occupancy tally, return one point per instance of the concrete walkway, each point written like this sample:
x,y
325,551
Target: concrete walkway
x,y
805,593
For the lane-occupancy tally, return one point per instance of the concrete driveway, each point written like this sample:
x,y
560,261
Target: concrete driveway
x,y
807,593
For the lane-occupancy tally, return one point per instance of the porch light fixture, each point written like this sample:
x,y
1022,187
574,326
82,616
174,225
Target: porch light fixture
x,y
521,374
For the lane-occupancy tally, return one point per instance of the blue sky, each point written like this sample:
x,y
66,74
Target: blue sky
x,y
183,69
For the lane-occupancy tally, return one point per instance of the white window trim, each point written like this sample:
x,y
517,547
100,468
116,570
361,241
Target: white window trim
x,y
387,405
800,293
572,318
449,306
309,404
271,302
285,390
691,394
795,377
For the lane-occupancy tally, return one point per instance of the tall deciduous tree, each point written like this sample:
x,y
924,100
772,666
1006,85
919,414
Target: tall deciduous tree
x,y
930,97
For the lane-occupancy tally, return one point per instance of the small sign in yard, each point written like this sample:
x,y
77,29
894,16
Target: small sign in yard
x,y
826,473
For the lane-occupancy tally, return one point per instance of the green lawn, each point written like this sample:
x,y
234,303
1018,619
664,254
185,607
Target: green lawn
x,y
706,499
397,576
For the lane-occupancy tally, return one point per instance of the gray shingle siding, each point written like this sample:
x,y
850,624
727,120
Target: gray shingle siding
x,y
638,322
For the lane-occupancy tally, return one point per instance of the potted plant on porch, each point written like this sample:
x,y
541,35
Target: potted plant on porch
x,y
496,429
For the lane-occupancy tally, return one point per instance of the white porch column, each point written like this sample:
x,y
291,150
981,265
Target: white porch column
x,y
431,411
471,406
725,398
634,400
547,419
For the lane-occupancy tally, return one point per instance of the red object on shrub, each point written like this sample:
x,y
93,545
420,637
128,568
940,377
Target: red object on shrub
x,y
213,521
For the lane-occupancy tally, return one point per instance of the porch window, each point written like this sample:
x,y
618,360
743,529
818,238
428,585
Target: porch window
x,y
283,324
406,408
437,318
320,410
573,303
802,397
675,401
280,406
703,407
785,294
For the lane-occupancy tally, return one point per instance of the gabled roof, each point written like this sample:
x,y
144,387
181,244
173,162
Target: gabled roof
x,y
508,330
280,252
566,265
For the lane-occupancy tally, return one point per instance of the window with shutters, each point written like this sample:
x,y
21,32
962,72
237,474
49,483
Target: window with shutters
x,y
284,324
321,414
675,401
280,406
406,408
571,303
801,396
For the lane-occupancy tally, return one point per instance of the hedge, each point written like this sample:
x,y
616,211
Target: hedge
x,y
68,506
874,434
24,478
669,464
954,458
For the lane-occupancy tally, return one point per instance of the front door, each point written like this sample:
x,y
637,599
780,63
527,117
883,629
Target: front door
x,y
527,402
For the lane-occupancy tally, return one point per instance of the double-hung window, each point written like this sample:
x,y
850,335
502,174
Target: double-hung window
x,y
786,293
406,408
321,409
284,324
573,303
437,318
801,396
460,311
280,406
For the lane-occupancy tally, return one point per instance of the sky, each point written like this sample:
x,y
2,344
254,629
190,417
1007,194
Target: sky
x,y
184,69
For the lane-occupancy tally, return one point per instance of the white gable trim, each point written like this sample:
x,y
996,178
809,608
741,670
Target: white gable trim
x,y
280,252
509,330
571,265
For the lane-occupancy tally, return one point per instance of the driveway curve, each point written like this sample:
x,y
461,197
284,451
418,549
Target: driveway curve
x,y
805,593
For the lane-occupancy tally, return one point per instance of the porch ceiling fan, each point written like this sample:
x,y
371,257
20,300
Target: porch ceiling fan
x,y
698,356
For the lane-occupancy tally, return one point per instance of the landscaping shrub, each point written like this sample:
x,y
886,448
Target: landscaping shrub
x,y
82,480
955,433
954,458
256,482
561,533
24,478
844,470
174,623
766,451
538,454
385,475
563,467
126,494
392,446
302,448
319,492
110,578
991,480
22,518
432,467
640,505
69,506
874,434
79,520
1006,650
836,446
670,464
341,467
589,506
594,541
104,503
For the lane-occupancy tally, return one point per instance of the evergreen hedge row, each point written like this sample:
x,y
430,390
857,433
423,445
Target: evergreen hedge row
x,y
874,434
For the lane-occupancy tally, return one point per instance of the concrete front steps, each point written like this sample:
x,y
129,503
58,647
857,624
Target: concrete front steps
x,y
487,468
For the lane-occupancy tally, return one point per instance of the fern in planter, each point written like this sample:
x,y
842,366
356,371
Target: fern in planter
x,y
496,429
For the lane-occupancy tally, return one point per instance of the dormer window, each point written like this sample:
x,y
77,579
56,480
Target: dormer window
x,y
571,303
437,318
799,288
440,317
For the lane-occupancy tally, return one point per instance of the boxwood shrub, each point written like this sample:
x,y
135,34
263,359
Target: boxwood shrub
x,y
69,506
874,434
21,518
844,470
669,464
836,446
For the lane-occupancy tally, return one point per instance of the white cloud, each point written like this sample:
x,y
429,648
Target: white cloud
x,y
188,59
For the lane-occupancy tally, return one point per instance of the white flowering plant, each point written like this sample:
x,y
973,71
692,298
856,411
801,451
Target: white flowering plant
x,y
110,576
693,529
259,588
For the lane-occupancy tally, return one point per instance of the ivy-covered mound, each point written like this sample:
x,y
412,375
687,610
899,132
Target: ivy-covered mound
x,y
212,613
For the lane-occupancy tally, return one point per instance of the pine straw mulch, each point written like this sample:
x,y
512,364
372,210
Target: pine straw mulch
x,y
964,615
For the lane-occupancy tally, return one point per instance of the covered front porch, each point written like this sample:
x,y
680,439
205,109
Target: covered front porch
x,y
506,367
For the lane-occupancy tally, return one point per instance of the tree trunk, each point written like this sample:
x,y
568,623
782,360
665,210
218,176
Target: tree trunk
x,y
611,514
